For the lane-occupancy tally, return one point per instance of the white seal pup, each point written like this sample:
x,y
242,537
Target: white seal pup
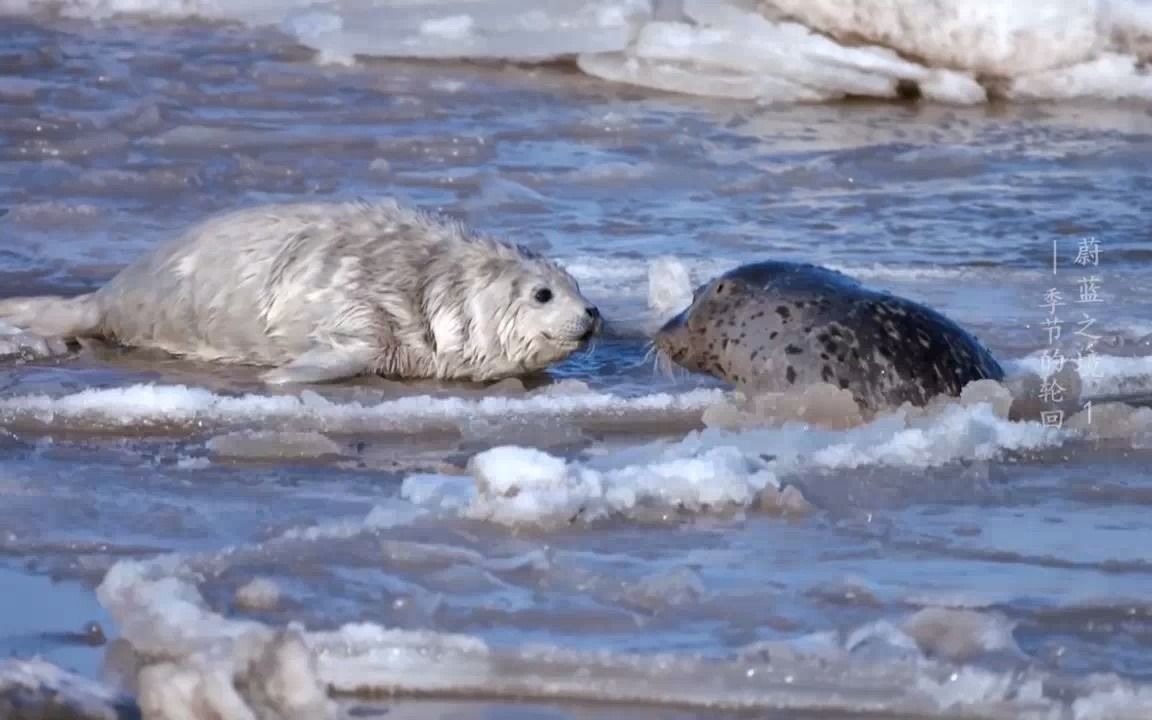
x,y
327,291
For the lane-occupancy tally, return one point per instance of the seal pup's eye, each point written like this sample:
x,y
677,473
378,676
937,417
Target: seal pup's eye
x,y
543,295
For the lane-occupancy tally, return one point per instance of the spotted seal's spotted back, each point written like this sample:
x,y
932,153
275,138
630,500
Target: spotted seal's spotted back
x,y
777,325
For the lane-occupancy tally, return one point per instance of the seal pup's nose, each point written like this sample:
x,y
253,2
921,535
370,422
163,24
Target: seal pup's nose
x,y
594,327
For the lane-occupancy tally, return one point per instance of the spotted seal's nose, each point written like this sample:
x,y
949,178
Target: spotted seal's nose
x,y
593,312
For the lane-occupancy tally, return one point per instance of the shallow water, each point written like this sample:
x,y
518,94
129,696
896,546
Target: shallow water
x,y
950,562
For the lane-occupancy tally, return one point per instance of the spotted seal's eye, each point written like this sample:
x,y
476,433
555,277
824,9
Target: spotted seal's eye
x,y
543,295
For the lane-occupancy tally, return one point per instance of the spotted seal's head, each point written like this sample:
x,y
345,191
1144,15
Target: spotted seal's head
x,y
688,338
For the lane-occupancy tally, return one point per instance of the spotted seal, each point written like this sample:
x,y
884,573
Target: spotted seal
x,y
326,291
776,326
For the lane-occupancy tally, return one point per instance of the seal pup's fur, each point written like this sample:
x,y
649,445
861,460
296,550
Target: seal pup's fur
x,y
778,326
326,291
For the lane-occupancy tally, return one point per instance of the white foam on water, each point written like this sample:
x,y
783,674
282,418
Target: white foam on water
x,y
151,405
714,469
1100,374
525,486
952,51
1115,702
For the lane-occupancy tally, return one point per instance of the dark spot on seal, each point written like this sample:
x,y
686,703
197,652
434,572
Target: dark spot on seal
x,y
791,375
843,384
827,374
793,350
824,356
807,328
783,311
908,89
720,288
754,354
772,335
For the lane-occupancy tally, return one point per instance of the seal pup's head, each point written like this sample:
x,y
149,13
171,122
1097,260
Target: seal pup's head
x,y
553,319
530,311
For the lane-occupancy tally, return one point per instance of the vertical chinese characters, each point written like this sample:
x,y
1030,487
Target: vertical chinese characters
x,y
1052,360
1088,256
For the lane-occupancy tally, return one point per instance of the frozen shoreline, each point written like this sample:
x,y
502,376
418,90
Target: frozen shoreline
x,y
778,51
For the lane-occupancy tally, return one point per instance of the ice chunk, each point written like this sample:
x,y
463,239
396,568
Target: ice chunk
x,y
166,404
204,664
526,486
669,286
961,635
272,444
258,594
35,688
1110,76
732,52
981,36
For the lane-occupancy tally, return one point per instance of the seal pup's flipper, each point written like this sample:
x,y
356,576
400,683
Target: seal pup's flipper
x,y
323,364
17,343
52,316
